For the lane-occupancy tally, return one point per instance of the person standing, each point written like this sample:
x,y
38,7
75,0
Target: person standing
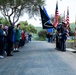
x,y
64,37
1,42
5,39
58,36
10,39
17,38
48,37
22,38
30,36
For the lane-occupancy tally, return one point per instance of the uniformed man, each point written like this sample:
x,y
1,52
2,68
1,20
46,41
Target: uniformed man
x,y
64,37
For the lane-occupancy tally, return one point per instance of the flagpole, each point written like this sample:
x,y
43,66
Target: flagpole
x,y
75,33
56,15
75,20
63,20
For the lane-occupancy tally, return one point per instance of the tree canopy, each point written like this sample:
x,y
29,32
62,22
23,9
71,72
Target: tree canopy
x,y
4,21
27,27
13,9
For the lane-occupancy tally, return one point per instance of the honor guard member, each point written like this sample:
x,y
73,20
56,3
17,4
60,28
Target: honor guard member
x,y
64,36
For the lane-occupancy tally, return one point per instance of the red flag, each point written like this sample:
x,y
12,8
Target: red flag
x,y
56,15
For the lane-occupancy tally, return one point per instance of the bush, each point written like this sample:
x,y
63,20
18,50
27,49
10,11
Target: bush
x,y
42,35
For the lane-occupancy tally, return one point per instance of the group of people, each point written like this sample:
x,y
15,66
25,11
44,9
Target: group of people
x,y
11,39
61,37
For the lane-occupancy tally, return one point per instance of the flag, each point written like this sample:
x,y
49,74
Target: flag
x,y
67,21
56,15
49,30
46,13
45,19
67,17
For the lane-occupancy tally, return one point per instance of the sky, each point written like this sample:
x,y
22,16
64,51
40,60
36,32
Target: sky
x,y
50,8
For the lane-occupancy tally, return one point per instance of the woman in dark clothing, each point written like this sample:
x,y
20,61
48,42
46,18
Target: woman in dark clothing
x,y
5,39
1,42
10,39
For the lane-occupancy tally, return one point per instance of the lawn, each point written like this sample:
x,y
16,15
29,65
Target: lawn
x,y
70,40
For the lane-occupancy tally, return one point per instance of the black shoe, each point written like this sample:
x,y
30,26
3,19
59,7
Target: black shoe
x,y
74,51
16,51
10,55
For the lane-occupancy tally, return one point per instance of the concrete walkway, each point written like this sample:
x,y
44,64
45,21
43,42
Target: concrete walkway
x,y
39,58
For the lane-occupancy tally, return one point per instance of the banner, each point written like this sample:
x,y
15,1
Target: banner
x,y
45,19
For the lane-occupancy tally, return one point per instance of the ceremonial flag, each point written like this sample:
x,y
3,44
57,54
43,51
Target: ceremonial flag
x,y
56,15
49,21
45,19
67,17
67,21
49,30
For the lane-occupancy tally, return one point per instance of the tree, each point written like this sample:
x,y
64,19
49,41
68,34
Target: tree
x,y
28,27
4,21
13,9
42,34
32,28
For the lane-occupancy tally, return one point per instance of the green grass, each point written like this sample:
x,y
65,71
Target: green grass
x,y
70,40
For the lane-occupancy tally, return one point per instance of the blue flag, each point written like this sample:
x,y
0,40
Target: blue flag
x,y
46,15
49,30
45,19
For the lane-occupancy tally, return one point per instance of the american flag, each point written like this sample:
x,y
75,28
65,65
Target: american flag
x,y
67,17
56,15
67,21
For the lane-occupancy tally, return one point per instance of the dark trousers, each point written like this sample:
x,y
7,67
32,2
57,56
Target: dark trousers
x,y
9,47
1,48
22,43
63,45
57,43
48,39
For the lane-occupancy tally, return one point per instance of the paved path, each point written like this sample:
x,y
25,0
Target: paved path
x,y
39,58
